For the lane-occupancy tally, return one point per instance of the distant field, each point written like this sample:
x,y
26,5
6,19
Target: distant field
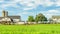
x,y
30,29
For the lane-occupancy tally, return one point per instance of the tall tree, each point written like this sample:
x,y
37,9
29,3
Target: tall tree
x,y
40,17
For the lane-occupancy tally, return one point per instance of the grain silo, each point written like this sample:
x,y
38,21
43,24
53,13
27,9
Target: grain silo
x,y
3,13
6,14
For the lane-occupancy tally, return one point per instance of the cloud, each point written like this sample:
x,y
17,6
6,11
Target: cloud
x,y
50,13
57,3
53,11
37,2
28,3
28,13
28,8
1,0
34,3
25,13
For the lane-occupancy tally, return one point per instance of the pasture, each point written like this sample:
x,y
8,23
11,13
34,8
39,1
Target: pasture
x,y
30,29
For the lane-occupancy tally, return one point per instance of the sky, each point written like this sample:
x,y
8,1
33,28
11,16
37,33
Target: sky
x,y
25,8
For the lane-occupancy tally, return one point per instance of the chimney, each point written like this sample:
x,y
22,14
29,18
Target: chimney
x,y
3,13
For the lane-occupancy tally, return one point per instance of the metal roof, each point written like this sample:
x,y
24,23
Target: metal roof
x,y
12,17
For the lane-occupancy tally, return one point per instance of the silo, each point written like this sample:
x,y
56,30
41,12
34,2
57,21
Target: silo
x,y
6,14
3,13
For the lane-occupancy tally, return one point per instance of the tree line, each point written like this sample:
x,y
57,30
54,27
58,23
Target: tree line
x,y
40,17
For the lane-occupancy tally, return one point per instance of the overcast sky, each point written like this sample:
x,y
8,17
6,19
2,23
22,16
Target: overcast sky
x,y
24,8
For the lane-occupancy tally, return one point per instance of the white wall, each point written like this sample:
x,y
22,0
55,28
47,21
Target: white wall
x,y
57,20
16,20
20,23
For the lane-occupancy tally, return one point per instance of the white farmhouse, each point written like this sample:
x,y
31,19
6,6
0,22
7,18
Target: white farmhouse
x,y
56,18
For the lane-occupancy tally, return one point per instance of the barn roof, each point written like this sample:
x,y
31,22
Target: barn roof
x,y
1,17
12,17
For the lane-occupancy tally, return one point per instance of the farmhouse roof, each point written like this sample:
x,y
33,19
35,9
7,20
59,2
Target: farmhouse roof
x,y
57,17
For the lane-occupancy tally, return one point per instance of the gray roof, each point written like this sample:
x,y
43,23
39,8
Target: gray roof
x,y
1,17
12,17
58,17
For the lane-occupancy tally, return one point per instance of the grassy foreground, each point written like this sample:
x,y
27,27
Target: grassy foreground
x,y
30,29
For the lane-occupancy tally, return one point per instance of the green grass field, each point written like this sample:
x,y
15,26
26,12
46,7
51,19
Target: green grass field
x,y
30,29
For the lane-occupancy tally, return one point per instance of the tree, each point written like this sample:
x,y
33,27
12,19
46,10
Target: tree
x,y
30,19
40,17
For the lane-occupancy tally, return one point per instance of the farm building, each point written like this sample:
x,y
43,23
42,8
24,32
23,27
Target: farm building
x,y
7,18
56,18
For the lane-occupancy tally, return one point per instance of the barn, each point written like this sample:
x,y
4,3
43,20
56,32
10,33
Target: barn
x,y
6,18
